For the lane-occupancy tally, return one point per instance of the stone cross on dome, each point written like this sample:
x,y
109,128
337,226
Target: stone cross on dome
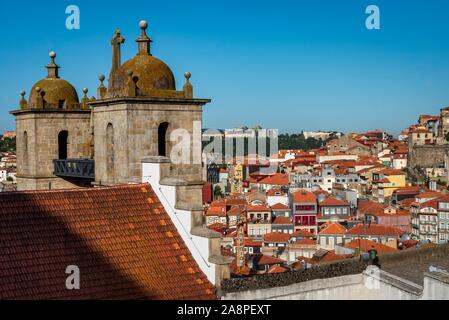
x,y
116,42
52,67
144,41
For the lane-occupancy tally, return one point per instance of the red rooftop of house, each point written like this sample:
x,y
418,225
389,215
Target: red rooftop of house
x,y
121,239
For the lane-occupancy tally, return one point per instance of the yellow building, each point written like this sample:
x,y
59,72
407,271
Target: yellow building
x,y
237,179
387,181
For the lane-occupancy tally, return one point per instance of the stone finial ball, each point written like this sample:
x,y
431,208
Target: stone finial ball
x,y
101,77
85,90
52,54
22,92
187,75
143,24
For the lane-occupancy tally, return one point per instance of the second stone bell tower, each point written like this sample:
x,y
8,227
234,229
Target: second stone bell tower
x,y
52,127
134,117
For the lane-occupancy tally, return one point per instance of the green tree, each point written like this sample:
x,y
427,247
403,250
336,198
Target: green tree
x,y
218,193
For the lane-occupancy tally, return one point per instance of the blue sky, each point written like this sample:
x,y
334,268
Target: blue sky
x,y
292,65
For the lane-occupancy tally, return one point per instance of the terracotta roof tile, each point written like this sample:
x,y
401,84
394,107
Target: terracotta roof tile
x,y
279,206
276,237
361,243
375,229
332,201
262,260
279,179
333,228
121,238
277,269
282,220
303,196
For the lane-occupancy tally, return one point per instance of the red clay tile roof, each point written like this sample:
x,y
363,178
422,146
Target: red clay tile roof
x,y
263,260
302,233
333,228
392,172
277,269
121,238
236,210
332,201
429,195
282,220
375,229
257,208
248,242
330,256
279,179
365,207
276,237
275,193
360,244
279,206
303,196
306,242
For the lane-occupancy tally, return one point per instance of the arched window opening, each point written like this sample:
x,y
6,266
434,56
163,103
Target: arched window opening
x,y
25,151
162,139
110,152
63,141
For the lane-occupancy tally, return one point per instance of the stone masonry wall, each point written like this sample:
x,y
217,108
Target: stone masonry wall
x,y
35,156
136,137
427,156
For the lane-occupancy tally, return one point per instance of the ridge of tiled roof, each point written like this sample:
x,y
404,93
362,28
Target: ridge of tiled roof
x,y
332,201
375,229
369,244
303,196
262,259
277,269
121,238
333,228
276,179
276,237
279,206
302,233
282,220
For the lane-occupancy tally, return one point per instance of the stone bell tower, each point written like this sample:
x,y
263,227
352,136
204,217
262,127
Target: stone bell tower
x,y
51,126
137,123
136,116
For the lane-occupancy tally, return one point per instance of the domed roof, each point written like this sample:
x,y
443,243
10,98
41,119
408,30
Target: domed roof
x,y
56,92
147,72
150,73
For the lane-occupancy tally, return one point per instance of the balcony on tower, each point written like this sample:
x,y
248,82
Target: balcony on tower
x,y
75,168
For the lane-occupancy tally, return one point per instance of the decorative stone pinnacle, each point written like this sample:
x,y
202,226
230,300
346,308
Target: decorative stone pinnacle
x,y
188,88
144,41
143,24
23,102
102,91
52,67
85,91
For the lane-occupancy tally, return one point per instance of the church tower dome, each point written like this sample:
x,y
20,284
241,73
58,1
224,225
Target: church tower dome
x,y
52,91
149,75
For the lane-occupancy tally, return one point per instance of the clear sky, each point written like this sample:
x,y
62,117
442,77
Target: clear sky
x,y
293,65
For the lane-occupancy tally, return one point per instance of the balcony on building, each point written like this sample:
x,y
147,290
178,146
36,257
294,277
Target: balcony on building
x,y
75,168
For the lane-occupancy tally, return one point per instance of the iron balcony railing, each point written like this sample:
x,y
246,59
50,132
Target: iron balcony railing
x,y
75,168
